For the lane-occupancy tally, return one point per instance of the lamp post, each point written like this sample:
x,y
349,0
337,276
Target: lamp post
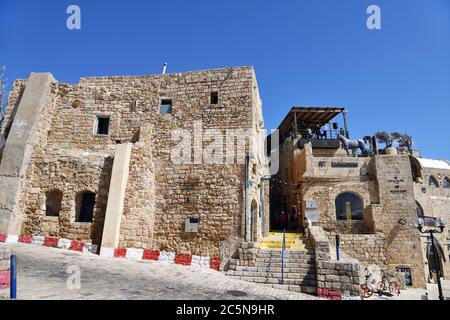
x,y
438,227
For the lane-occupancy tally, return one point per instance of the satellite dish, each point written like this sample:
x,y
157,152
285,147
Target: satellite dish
x,y
2,141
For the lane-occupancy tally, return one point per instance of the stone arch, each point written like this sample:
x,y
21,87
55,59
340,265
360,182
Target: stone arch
x,y
432,182
420,211
349,206
446,183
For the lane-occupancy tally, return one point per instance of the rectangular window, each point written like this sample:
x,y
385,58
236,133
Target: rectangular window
x,y
102,125
214,97
166,106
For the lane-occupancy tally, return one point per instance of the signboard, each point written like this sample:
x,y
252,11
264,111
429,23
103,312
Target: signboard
x,y
311,204
313,215
344,164
407,273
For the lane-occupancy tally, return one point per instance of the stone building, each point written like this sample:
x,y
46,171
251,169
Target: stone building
x,y
371,201
176,163
152,162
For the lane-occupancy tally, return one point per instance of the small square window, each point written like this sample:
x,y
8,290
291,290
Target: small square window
x,y
102,125
214,97
166,106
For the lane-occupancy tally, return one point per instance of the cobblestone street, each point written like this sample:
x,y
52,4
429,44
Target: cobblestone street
x,y
42,274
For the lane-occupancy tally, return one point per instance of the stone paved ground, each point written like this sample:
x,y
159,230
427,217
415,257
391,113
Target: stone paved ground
x,y
42,274
416,294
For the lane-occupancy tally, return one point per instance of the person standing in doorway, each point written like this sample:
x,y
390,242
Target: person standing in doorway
x,y
293,219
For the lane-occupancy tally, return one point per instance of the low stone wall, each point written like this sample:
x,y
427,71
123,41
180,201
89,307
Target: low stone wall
x,y
336,280
247,254
368,249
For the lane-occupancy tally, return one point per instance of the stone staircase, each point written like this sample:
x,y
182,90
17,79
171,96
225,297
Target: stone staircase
x,y
265,267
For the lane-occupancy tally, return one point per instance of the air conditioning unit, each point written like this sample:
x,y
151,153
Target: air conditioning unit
x,y
191,225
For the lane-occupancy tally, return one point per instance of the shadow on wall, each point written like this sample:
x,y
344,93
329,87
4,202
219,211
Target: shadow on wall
x,y
101,202
392,234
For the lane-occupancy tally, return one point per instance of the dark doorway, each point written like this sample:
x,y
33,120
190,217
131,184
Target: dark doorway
x,y
53,200
85,203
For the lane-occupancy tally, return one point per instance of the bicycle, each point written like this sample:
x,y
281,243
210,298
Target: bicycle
x,y
366,288
387,283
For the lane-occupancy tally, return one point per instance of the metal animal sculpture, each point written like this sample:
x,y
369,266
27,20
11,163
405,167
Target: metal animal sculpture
x,y
353,144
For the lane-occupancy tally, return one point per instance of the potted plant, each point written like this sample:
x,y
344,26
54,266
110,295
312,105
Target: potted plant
x,y
388,139
404,141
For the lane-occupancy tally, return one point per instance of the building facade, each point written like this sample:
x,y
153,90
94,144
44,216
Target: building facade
x,y
371,201
153,162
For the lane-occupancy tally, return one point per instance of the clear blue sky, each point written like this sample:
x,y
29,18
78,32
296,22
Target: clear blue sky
x,y
317,53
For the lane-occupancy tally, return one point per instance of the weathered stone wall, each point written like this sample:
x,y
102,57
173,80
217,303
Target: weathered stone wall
x,y
435,202
71,173
398,217
335,279
160,193
368,249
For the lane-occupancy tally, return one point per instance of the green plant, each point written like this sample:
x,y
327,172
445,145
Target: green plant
x,y
404,141
385,137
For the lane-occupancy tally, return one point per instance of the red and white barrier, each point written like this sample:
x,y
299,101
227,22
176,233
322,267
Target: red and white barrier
x,y
165,257
54,242
128,253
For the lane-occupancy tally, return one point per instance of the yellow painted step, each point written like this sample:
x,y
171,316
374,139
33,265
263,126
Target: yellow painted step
x,y
264,246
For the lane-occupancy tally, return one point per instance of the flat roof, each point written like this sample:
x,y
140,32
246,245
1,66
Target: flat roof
x,y
435,164
311,116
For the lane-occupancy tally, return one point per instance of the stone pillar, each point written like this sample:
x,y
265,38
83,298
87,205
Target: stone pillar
x,y
116,199
18,149
399,216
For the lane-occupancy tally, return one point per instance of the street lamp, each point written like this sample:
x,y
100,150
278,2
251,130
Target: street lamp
x,y
437,226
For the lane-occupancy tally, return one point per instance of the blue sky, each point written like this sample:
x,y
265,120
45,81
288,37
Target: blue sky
x,y
315,53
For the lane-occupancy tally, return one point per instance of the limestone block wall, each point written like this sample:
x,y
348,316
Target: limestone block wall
x,y
368,249
325,193
160,194
435,202
72,173
335,279
399,216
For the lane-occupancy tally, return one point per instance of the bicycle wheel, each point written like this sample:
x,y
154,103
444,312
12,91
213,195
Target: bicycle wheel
x,y
380,287
366,292
393,287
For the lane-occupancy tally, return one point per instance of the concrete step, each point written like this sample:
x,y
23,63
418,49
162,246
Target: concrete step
x,y
263,280
304,269
296,264
280,246
279,260
274,275
287,255
296,288
287,234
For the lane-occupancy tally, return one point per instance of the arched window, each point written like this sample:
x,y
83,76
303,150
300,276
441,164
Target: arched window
x,y
432,182
84,206
446,183
349,207
53,200
420,213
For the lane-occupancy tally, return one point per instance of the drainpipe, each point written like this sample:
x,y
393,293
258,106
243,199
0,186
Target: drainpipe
x,y
245,198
